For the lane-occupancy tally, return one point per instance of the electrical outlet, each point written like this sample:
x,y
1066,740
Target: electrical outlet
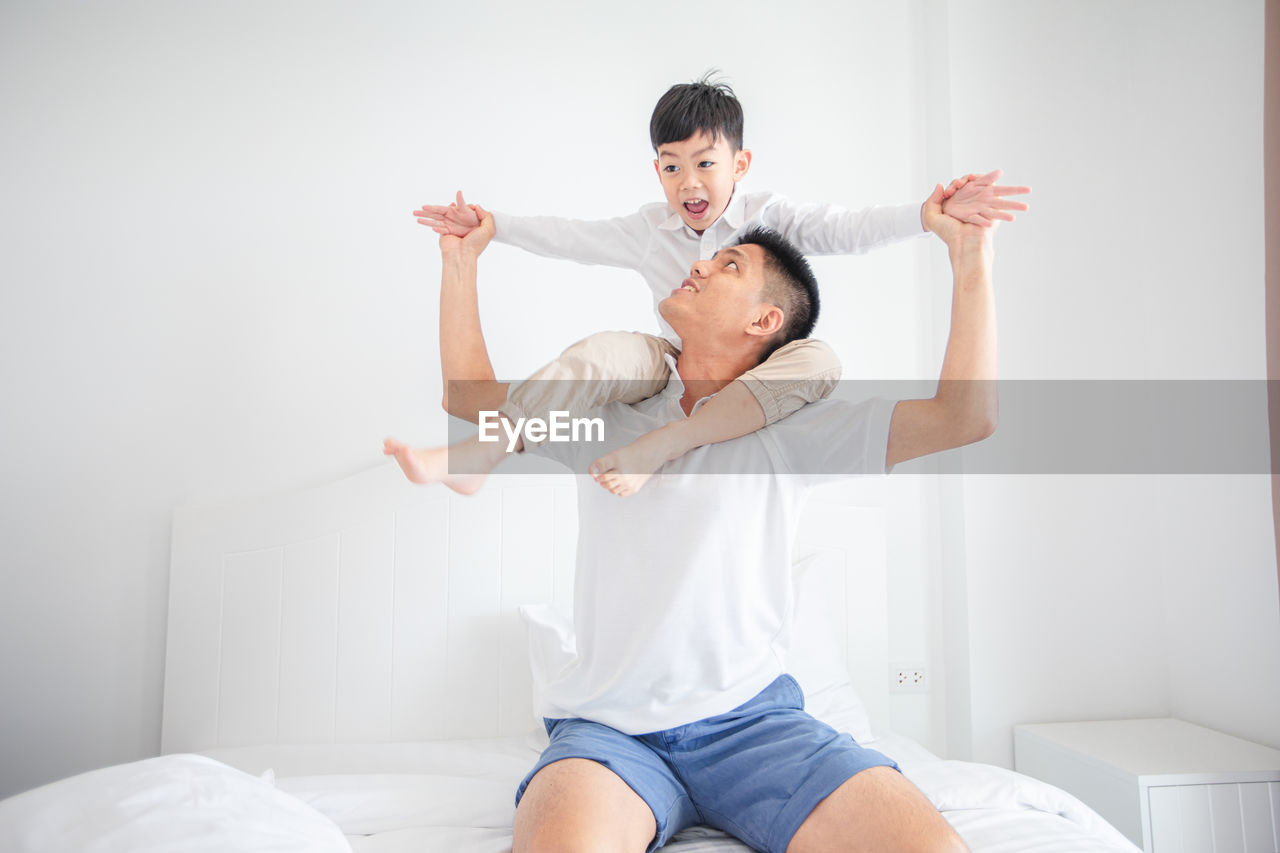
x,y
908,678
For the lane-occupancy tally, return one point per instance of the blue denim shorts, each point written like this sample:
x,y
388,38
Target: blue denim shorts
x,y
755,772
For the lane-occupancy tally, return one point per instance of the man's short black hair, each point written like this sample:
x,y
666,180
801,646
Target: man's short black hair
x,y
704,105
789,284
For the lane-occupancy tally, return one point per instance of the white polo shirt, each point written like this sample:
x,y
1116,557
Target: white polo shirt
x,y
683,591
657,243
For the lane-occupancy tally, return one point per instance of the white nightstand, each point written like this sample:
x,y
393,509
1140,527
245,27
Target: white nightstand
x,y
1170,786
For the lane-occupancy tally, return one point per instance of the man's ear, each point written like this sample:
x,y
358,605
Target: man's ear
x,y
768,321
741,163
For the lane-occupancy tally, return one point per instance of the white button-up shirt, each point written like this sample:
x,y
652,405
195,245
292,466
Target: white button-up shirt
x,y
656,242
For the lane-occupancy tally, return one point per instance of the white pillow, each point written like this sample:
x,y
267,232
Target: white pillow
x,y
816,654
186,803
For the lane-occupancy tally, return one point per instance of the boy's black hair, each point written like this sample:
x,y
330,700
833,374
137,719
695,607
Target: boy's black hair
x,y
789,284
704,105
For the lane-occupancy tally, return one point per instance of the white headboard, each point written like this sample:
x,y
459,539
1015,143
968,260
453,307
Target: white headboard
x,y
369,610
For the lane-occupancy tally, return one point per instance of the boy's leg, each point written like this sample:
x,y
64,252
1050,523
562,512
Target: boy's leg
x,y
462,467
800,372
606,367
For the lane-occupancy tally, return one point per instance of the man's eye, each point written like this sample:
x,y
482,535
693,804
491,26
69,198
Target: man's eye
x,y
733,264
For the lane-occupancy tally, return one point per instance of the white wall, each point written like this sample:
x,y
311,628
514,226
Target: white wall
x,y
1140,127
213,285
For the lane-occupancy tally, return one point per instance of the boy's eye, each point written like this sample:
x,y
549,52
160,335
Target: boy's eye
x,y
706,164
671,168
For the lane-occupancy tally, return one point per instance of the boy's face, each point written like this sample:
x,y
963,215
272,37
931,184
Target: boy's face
x,y
698,176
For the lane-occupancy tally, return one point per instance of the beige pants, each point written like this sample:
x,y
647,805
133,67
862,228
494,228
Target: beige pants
x,y
628,367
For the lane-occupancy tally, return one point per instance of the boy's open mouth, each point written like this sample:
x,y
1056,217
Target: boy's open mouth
x,y
697,207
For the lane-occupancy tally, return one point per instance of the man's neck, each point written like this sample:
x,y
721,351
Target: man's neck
x,y
704,371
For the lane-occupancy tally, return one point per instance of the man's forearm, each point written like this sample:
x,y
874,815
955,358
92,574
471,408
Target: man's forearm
x,y
967,384
469,384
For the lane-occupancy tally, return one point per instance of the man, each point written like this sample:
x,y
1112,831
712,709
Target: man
x,y
674,709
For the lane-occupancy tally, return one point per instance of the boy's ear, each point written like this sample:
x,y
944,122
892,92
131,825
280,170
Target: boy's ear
x,y
741,163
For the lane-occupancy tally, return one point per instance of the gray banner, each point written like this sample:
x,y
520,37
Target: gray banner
x,y
1045,426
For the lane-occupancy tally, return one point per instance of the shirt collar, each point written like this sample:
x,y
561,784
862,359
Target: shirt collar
x,y
675,385
675,388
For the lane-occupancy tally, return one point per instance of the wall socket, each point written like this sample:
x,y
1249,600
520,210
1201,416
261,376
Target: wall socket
x,y
908,678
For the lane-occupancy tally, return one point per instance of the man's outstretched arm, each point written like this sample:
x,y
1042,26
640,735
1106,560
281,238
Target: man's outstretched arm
x,y
966,406
469,383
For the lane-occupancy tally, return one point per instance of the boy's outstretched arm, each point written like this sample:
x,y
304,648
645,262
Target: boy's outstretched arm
x,y
617,242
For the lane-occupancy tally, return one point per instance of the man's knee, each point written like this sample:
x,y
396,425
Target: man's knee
x,y
579,806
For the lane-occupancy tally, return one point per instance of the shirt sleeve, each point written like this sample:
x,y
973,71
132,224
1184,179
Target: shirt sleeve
x,y
832,438
619,242
825,229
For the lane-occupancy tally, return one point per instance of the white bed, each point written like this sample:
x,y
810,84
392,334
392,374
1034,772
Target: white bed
x,y
348,668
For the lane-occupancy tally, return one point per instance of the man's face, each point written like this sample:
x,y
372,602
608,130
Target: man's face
x,y
698,176
721,296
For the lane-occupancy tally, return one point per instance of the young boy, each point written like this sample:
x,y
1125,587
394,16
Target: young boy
x,y
696,132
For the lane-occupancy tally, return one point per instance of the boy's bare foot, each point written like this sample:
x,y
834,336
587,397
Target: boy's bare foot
x,y
625,471
431,465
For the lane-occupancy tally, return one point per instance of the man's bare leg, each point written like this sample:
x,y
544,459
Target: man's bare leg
x,y
580,806
878,811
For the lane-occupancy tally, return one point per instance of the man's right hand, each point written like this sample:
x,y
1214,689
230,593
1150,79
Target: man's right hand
x,y
455,220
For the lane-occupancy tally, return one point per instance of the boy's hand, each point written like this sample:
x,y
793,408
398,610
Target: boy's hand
x,y
977,200
951,230
457,219
475,240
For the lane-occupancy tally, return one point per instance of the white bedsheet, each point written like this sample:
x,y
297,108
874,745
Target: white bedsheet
x,y
457,796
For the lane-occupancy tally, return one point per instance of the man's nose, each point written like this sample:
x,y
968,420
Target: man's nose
x,y
699,268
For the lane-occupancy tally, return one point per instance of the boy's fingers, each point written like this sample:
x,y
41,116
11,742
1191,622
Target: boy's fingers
x,y
990,177
1011,190
1004,204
